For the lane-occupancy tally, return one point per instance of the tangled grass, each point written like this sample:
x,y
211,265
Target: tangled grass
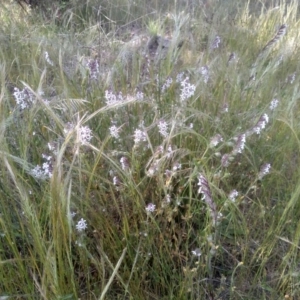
x,y
153,155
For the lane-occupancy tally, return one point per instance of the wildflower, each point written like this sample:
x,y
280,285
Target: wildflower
x,y
47,58
93,67
291,78
264,170
85,134
167,84
150,208
112,99
273,104
216,42
114,131
176,166
72,214
139,136
261,124
116,181
215,140
81,225
240,144
44,172
226,159
187,89
163,128
204,72
232,195
204,189
152,169
139,96
179,77
24,98
196,252
124,163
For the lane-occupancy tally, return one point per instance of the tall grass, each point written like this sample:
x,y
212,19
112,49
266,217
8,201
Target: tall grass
x,y
150,152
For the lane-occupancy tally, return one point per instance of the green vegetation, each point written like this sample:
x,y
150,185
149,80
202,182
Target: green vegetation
x,y
150,151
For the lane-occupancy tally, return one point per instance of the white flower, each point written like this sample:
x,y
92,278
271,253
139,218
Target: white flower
x,y
81,225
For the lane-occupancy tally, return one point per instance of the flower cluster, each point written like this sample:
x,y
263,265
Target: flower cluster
x,y
111,98
204,189
261,124
205,74
167,84
187,89
264,170
93,67
139,136
215,140
114,131
274,103
163,128
45,171
24,98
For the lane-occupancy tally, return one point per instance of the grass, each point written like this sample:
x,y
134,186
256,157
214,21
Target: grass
x,y
133,169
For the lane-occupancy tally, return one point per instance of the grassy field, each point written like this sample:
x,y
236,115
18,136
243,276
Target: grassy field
x,y
150,150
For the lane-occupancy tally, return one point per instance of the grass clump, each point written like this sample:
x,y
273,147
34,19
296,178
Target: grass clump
x,y
150,156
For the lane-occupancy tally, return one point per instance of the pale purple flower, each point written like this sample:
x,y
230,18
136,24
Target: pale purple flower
x,y
216,42
261,124
264,170
139,96
204,72
150,208
232,195
112,99
187,89
24,98
81,225
274,103
214,141
114,131
93,67
179,77
163,128
85,134
139,136
167,84
124,163
204,189
240,144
